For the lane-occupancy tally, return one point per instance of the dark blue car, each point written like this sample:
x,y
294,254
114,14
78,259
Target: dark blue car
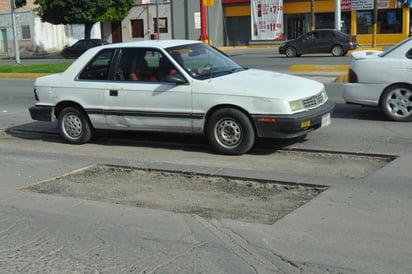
x,y
320,41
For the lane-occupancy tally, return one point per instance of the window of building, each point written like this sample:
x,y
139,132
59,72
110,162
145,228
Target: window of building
x,y
25,32
162,24
389,21
137,28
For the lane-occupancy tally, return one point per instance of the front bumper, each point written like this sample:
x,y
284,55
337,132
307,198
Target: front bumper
x,y
291,126
41,113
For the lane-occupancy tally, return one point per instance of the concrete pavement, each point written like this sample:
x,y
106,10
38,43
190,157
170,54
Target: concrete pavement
x,y
359,225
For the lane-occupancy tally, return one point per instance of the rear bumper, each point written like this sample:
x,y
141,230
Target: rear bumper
x,y
290,126
363,94
41,113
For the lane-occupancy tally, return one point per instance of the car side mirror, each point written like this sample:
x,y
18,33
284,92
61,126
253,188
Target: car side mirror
x,y
178,79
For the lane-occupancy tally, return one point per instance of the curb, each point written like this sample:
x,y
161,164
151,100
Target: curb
x,y
323,68
22,75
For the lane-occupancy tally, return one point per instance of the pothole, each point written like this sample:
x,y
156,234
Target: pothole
x,y
214,197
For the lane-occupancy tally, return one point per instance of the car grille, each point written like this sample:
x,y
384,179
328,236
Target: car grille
x,y
313,101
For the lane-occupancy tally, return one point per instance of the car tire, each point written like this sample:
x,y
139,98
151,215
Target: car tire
x,y
290,52
396,103
337,50
230,131
74,126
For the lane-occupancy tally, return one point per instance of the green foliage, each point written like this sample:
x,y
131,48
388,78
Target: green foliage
x,y
85,12
34,68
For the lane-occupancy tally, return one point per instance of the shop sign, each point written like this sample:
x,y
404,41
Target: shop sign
x,y
346,5
362,4
383,4
267,19
197,20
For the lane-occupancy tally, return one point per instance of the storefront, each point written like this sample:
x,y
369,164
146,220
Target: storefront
x,y
356,17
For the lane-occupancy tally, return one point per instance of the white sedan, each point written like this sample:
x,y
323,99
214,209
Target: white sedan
x,y
178,86
382,79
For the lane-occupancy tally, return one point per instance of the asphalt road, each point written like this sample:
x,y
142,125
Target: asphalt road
x,y
359,225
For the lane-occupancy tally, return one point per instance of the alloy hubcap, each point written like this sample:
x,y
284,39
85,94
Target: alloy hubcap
x,y
73,126
400,102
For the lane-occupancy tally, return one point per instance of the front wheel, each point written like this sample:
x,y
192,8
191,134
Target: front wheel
x,y
396,103
74,126
290,52
230,131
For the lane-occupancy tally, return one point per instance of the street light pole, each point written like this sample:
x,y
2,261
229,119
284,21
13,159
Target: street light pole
x,y
16,42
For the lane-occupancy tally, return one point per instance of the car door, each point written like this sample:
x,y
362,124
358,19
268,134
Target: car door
x,y
324,42
307,42
146,101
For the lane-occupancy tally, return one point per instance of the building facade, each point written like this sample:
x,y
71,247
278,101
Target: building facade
x,y
393,22
33,35
228,23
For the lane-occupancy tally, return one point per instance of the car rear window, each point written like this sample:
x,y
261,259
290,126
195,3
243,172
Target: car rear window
x,y
98,68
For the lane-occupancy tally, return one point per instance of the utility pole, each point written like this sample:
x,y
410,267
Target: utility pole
x,y
338,19
312,14
157,20
16,42
375,23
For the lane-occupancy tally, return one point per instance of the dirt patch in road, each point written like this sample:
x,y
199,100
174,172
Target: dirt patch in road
x,y
212,197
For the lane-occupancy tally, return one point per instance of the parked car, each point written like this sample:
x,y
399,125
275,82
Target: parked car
x,y
382,79
320,41
178,86
81,46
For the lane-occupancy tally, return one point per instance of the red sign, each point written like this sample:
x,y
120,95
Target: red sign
x,y
346,5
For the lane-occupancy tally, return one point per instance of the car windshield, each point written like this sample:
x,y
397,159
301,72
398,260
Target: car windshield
x,y
202,61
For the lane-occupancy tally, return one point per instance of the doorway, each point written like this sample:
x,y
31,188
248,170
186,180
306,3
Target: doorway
x,y
238,30
4,43
117,32
296,25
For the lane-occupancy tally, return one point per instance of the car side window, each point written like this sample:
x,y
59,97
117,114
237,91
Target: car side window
x,y
140,64
133,65
98,68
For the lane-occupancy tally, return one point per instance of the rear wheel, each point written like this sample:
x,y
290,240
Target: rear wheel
x,y
290,52
74,126
396,103
230,131
337,50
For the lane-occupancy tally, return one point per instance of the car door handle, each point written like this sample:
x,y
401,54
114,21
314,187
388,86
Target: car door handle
x,y
114,92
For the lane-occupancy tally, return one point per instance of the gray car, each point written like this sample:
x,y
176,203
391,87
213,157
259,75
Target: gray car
x,y
320,41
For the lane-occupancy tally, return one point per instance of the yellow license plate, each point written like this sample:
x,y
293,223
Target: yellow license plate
x,y
305,124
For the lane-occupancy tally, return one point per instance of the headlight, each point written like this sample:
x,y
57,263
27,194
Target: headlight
x,y
282,44
296,105
325,95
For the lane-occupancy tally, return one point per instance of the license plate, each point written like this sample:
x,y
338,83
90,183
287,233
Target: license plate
x,y
305,124
326,120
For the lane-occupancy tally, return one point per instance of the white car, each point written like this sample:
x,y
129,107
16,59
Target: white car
x,y
178,86
382,79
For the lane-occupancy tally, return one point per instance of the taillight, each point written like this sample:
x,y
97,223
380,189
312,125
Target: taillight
x,y
351,39
352,77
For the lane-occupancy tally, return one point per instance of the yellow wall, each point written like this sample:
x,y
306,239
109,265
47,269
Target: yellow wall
x,y
231,11
304,7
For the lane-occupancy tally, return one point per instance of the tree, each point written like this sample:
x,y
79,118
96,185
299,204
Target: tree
x,y
86,12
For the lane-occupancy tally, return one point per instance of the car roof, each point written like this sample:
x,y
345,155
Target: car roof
x,y
152,43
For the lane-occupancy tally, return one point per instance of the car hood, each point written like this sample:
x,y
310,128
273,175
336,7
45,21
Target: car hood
x,y
267,84
291,41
